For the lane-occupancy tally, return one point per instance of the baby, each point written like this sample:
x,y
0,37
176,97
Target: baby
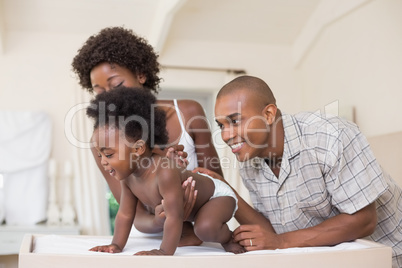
x,y
127,127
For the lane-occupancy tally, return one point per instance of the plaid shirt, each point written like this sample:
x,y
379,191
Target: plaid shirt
x,y
327,168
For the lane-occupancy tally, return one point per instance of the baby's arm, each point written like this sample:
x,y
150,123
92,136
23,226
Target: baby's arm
x,y
123,222
170,189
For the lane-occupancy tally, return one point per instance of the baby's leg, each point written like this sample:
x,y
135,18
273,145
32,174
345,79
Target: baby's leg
x,y
210,223
188,237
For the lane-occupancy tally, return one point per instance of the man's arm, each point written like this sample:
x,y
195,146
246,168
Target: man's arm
x,y
341,228
245,214
335,230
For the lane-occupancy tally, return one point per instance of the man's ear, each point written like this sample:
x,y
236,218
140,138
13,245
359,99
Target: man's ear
x,y
141,78
269,112
139,147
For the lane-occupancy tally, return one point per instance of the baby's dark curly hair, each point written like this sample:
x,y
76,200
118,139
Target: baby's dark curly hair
x,y
131,109
119,46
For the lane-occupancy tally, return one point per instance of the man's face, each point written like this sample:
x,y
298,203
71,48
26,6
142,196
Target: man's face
x,y
243,125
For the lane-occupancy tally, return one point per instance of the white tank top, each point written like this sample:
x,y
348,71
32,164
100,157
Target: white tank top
x,y
186,141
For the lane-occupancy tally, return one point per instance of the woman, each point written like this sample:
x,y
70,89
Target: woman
x,y
117,57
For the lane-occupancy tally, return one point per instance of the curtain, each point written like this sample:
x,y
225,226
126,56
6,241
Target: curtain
x,y
89,187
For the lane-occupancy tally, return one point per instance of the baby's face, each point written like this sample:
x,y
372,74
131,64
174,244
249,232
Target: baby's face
x,y
114,151
243,125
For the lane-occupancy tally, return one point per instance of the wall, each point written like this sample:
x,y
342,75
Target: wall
x,y
271,63
357,60
35,75
385,148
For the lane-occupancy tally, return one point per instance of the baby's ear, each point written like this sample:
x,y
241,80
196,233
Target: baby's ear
x,y
269,113
139,147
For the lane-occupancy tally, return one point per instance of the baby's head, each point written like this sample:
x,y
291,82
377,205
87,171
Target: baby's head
x,y
245,109
126,121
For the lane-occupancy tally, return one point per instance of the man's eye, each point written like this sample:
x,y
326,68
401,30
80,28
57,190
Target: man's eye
x,y
220,126
235,121
108,155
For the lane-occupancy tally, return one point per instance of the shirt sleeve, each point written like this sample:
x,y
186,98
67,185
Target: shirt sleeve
x,y
355,178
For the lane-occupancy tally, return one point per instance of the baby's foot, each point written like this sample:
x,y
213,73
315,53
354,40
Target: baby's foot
x,y
234,247
188,237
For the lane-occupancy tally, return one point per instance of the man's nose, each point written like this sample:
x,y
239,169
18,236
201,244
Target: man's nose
x,y
228,134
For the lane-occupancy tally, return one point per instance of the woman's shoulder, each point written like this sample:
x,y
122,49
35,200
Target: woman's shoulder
x,y
190,107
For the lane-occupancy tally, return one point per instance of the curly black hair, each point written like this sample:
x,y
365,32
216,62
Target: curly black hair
x,y
119,46
133,110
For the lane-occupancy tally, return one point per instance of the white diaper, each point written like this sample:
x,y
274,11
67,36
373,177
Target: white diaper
x,y
222,189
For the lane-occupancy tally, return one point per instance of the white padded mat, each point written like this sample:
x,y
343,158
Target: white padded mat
x,y
80,245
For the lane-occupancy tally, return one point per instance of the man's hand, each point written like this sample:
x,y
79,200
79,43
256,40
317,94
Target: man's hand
x,y
256,237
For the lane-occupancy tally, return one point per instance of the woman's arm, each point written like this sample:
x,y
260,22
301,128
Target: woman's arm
x,y
197,126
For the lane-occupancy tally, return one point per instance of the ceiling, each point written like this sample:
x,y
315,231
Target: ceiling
x,y
76,16
245,21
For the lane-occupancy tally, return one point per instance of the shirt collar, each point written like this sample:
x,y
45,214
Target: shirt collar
x,y
292,139
291,148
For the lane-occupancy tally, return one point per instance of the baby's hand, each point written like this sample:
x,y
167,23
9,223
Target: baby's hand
x,y
151,252
112,248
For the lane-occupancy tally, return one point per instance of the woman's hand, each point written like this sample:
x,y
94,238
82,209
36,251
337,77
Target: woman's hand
x,y
189,195
176,153
112,248
160,216
256,237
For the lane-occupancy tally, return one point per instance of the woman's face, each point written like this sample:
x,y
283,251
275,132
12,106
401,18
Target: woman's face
x,y
106,76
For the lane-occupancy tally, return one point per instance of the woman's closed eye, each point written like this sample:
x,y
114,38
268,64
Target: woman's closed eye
x,y
116,86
